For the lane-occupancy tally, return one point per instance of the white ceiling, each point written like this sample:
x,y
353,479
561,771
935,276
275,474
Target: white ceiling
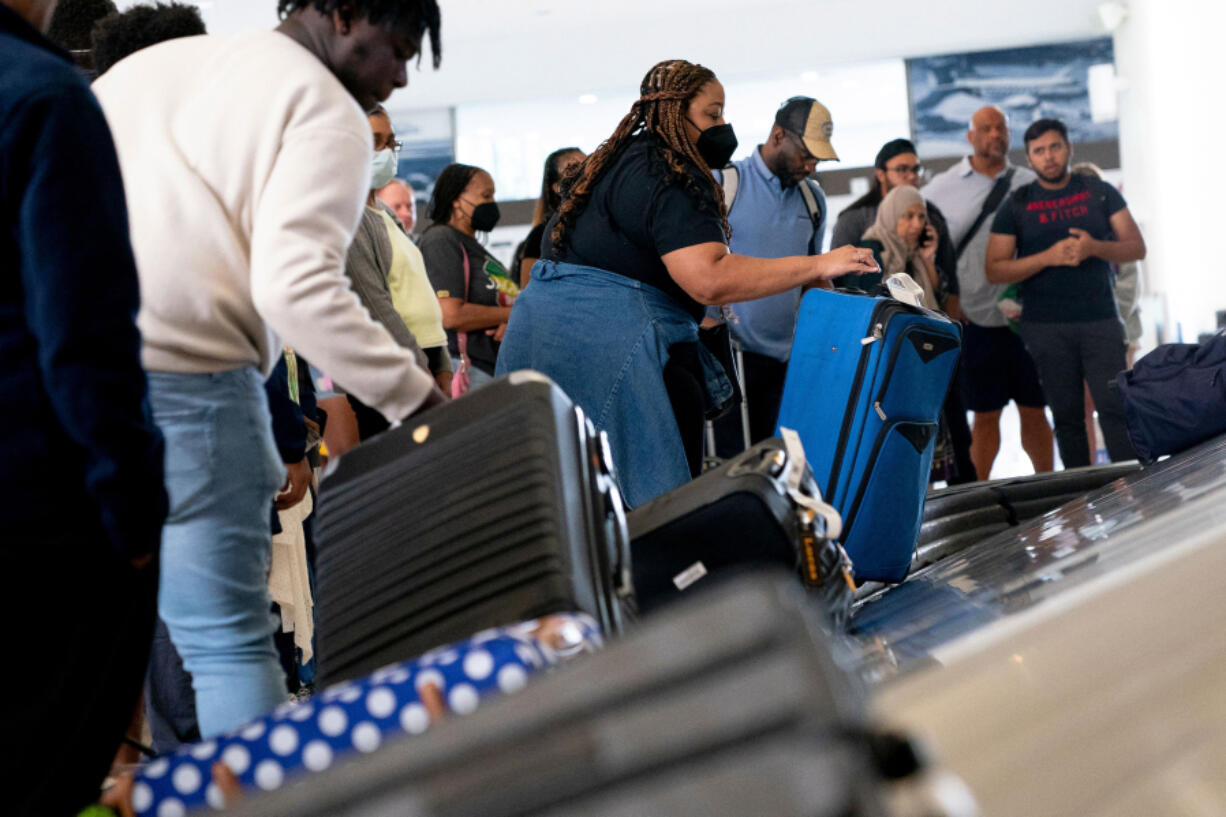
x,y
503,50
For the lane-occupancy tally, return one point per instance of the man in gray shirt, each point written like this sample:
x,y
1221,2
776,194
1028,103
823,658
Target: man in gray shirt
x,y
995,367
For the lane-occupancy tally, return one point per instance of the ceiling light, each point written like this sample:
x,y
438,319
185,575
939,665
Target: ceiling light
x,y
587,99
1112,14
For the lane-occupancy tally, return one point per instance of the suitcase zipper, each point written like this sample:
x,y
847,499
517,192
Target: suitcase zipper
x,y
878,321
894,353
853,510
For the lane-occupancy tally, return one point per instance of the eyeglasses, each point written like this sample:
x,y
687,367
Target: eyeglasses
x,y
393,145
906,170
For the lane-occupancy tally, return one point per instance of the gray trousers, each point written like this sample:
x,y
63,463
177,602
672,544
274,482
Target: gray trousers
x,y
1066,354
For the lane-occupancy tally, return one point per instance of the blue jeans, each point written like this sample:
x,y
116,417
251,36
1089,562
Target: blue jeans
x,y
222,470
605,339
1070,356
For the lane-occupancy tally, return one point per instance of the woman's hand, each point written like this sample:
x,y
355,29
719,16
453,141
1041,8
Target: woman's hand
x,y
928,252
846,260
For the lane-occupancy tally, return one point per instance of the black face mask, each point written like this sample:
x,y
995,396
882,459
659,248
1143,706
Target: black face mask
x,y
716,145
485,216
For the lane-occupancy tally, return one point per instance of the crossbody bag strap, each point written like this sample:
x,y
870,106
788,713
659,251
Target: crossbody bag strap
x,y
995,197
461,337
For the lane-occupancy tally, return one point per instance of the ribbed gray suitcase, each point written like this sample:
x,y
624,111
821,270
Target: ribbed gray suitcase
x,y
725,704
498,507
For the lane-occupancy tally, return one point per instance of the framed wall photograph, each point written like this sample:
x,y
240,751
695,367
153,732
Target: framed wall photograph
x,y
1073,82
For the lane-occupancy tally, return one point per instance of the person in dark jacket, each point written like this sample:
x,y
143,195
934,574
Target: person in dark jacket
x,y
81,488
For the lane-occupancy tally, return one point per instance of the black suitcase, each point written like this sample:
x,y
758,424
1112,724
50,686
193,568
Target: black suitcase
x,y
436,529
740,515
728,704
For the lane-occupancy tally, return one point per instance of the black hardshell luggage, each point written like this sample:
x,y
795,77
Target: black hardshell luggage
x,y
497,507
728,704
741,515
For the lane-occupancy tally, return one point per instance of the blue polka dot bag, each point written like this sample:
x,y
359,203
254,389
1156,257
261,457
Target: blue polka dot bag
x,y
359,716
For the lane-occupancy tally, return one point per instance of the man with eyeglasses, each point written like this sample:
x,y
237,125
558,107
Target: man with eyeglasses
x,y
897,165
995,366
388,274
775,210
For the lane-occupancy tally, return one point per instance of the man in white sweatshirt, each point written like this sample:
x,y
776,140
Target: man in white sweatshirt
x,y
246,160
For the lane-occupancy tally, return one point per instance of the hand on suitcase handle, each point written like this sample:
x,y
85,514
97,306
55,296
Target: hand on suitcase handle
x,y
846,260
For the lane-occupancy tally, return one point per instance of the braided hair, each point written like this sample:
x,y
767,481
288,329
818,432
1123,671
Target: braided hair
x,y
660,111
413,17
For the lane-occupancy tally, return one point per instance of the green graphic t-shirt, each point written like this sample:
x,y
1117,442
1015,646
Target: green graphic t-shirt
x,y
443,248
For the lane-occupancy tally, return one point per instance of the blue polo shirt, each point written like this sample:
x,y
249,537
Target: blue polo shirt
x,y
769,221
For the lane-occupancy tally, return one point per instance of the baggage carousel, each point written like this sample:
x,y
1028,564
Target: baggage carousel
x,y
1074,664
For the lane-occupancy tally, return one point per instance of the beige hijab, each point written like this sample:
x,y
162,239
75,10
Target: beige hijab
x,y
898,256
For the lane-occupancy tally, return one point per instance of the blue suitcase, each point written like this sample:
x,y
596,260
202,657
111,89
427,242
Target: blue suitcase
x,y
864,391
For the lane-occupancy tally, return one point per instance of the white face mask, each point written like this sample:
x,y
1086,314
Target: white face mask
x,y
382,168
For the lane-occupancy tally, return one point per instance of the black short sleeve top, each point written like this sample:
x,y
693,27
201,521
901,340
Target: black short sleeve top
x,y
637,214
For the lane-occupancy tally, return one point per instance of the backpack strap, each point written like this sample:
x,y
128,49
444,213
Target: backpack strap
x,y
808,192
731,180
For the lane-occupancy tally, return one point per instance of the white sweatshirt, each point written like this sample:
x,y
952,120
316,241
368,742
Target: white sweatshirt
x,y
246,166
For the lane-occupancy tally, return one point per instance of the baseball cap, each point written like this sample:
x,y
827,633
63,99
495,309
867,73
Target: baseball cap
x,y
810,120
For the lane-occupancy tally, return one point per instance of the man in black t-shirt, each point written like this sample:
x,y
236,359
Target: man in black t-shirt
x,y
1057,237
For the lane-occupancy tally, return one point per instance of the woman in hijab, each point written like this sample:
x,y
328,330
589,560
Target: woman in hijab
x,y
904,241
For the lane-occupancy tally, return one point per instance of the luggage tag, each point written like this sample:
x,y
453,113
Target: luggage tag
x,y
902,287
796,472
812,508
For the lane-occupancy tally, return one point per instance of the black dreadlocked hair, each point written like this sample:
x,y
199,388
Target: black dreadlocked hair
x,y
413,17
119,35
660,111
447,188
73,20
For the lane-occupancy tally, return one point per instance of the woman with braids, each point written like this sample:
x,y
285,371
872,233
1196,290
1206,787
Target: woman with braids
x,y
636,249
474,291
558,165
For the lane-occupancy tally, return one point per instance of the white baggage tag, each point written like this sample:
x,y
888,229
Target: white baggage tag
x,y
690,575
903,288
796,473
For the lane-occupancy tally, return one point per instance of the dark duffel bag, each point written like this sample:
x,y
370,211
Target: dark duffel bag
x,y
725,705
497,507
759,508
1175,397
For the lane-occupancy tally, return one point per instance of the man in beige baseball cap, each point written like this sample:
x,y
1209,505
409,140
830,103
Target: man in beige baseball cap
x,y
810,120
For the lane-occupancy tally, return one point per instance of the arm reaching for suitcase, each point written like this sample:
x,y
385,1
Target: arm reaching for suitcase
x,y
711,275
